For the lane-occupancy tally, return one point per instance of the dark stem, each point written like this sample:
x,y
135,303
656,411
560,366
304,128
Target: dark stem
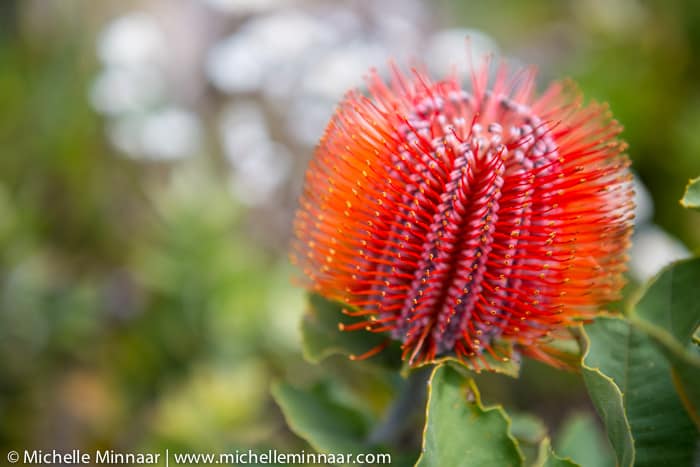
x,y
400,413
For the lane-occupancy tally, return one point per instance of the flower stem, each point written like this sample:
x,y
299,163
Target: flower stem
x,y
400,413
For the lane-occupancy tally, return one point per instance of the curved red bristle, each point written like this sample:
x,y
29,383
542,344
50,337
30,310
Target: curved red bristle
x,y
452,219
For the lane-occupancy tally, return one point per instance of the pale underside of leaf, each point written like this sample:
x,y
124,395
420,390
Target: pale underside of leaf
x,y
691,198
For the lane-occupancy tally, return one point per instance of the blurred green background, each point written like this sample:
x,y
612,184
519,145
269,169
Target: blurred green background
x,y
150,156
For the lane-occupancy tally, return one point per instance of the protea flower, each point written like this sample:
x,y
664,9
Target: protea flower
x,y
452,219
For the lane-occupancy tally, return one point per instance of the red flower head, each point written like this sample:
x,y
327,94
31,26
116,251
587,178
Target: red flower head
x,y
452,219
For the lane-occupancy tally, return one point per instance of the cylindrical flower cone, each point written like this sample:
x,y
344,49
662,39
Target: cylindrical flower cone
x,y
455,218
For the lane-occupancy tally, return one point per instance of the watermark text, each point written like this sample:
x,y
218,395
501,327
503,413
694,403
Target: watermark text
x,y
167,458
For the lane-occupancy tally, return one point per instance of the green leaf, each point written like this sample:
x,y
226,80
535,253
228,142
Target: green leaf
x,y
581,440
548,458
528,428
461,432
650,359
691,198
530,432
671,301
629,381
326,425
669,312
531,435
331,423
321,336
604,392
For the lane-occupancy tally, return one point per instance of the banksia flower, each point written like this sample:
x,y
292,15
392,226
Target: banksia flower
x,y
452,219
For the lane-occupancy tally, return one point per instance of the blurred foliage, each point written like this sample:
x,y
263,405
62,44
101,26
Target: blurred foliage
x,y
580,440
137,311
134,312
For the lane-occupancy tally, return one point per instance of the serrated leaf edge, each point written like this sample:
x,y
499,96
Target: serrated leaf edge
x,y
477,400
683,201
545,452
585,345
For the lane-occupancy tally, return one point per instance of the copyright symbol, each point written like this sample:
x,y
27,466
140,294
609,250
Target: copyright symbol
x,y
13,457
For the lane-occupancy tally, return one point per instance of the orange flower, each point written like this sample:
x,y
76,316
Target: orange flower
x,y
452,219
